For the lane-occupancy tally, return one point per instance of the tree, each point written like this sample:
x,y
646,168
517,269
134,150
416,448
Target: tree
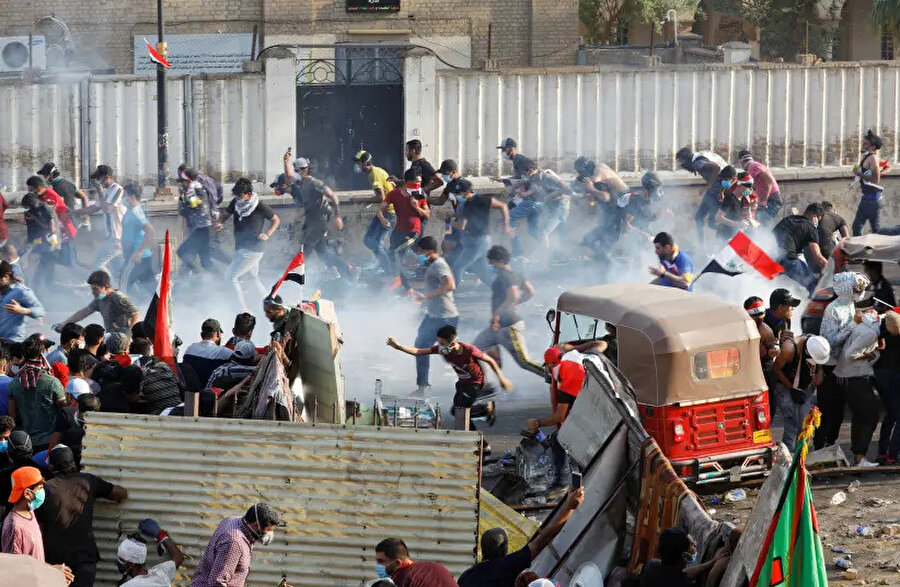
x,y
601,17
885,16
653,12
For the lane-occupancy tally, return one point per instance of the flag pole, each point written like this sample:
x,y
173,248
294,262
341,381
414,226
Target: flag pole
x,y
304,280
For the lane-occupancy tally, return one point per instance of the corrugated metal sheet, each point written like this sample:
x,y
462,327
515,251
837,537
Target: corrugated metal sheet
x,y
790,116
496,514
342,490
214,122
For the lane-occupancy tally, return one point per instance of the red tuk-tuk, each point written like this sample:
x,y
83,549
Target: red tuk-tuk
x,y
693,361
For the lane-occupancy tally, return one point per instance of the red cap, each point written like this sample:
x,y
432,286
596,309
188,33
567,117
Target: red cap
x,y
552,356
570,377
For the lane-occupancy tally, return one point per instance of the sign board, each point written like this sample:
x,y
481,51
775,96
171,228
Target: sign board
x,y
214,53
373,5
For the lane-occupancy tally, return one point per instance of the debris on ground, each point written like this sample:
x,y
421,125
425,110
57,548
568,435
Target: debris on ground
x,y
838,498
736,495
854,485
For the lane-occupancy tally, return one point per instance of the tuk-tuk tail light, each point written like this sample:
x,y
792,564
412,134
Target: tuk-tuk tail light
x,y
761,417
678,430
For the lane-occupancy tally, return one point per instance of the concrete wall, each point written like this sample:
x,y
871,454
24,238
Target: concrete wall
x,y
524,32
789,116
214,122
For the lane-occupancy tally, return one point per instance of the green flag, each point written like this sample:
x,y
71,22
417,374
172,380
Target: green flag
x,y
791,554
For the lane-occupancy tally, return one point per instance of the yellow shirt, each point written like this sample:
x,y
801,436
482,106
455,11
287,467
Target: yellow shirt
x,y
379,179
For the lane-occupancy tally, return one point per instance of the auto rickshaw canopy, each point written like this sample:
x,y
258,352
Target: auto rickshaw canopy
x,y
675,346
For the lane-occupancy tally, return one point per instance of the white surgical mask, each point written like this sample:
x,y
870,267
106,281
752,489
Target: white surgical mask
x,y
267,538
357,169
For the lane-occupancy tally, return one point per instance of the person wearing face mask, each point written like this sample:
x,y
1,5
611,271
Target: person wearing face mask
x,y
7,425
138,240
474,222
42,232
509,149
732,216
707,165
411,205
67,516
431,179
71,337
69,429
466,360
799,371
764,186
677,564
110,203
119,314
16,303
199,212
449,171
250,217
66,228
382,224
796,234
437,300
392,561
868,172
131,558
226,558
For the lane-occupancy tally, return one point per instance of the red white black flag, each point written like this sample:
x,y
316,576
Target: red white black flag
x,y
295,272
156,56
742,255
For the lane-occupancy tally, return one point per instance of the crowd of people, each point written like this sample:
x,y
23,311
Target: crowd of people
x,y
45,392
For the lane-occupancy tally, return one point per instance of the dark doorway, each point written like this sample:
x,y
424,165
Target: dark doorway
x,y
347,104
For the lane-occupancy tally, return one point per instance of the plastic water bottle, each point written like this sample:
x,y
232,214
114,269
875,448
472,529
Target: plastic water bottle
x,y
843,563
838,498
736,495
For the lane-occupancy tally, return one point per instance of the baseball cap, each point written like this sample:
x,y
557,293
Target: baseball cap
x,y
116,343
363,157
76,387
461,186
448,166
132,551
22,479
570,377
47,169
301,163
782,297
552,356
509,142
101,171
244,350
210,326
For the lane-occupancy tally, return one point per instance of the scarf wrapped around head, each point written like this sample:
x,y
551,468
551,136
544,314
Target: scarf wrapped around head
x,y
245,208
30,372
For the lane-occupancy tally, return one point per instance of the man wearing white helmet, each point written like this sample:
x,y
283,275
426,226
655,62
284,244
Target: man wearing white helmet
x,y
798,370
131,558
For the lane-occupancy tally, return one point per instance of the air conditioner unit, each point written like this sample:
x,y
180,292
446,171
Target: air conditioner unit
x,y
17,55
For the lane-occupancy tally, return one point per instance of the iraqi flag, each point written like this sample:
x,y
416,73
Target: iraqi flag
x,y
157,57
295,272
157,322
791,554
741,255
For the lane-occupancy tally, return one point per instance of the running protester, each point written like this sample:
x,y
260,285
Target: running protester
x,y
474,221
765,187
411,206
509,149
67,231
449,171
643,206
437,300
707,165
676,268
113,208
507,328
250,235
71,194
138,240
736,205
42,232
604,187
199,211
383,222
868,173
795,234
466,360
320,209
119,314
431,179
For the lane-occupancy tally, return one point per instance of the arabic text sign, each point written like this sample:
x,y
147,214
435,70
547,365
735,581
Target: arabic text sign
x,y
215,53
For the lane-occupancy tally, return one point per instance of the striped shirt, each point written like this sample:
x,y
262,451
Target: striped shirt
x,y
226,559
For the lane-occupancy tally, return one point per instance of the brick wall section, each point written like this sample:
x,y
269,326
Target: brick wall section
x,y
520,29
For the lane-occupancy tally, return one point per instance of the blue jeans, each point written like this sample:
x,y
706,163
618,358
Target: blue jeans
x,y
894,231
473,254
706,213
562,469
869,210
799,272
888,383
767,215
375,237
530,209
425,338
792,414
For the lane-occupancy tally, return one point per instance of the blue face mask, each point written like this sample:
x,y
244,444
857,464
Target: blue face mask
x,y
446,178
4,446
422,259
381,572
100,296
693,559
726,184
38,500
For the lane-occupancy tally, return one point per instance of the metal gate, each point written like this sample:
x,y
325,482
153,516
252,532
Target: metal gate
x,y
351,102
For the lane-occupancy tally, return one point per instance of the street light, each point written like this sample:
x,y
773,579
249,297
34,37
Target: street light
x,y
162,126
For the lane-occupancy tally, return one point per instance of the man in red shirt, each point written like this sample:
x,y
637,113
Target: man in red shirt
x,y
410,205
38,185
392,560
464,358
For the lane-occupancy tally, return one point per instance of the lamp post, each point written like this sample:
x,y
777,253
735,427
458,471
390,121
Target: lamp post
x,y
162,125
